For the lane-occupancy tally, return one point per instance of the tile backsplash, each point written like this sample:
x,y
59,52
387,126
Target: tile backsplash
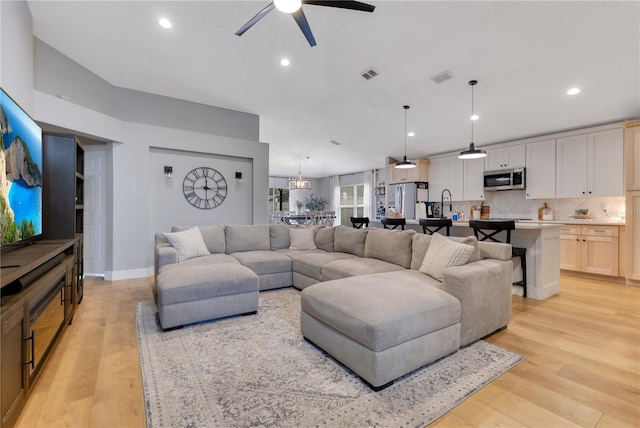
x,y
514,204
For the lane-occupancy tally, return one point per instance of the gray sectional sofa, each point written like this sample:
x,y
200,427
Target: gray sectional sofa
x,y
366,299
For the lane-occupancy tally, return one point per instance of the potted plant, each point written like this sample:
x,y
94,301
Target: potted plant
x,y
315,204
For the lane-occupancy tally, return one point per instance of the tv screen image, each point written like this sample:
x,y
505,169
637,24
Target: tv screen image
x,y
20,174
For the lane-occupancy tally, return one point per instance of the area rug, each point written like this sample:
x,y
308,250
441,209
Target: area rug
x,y
257,370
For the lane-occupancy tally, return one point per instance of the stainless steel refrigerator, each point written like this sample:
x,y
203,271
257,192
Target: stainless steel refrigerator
x,y
405,197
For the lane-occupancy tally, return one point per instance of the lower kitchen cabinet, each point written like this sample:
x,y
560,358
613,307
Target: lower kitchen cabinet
x,y
632,236
590,249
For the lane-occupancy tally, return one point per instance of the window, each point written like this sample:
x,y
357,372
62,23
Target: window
x,y
351,203
278,199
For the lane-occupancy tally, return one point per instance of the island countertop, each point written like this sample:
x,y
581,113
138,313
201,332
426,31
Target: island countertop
x,y
465,223
542,243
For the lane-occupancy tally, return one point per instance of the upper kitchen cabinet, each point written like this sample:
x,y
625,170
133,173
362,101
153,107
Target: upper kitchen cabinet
x,y
473,180
540,172
632,157
445,173
409,175
590,165
505,157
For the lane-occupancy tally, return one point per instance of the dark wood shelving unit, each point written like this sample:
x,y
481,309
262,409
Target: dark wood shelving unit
x,y
64,195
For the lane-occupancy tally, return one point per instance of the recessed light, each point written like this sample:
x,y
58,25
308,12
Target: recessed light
x,y
411,134
165,23
284,62
475,117
573,91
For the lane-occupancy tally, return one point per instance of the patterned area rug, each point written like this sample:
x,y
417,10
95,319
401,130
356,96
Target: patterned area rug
x,y
258,371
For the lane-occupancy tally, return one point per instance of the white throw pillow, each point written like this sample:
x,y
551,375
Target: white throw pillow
x,y
443,253
302,239
188,243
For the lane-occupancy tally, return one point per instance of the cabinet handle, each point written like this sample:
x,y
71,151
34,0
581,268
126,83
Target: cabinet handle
x,y
583,193
599,231
32,338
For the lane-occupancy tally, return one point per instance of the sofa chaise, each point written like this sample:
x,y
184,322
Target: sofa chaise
x,y
382,302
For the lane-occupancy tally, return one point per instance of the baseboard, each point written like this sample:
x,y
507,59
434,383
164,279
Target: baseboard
x,y
127,274
594,276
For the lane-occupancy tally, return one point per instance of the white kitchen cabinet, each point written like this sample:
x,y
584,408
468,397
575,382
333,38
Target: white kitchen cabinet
x,y
590,165
541,170
505,157
473,180
445,173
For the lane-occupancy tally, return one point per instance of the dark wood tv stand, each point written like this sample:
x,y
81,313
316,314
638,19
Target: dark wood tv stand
x,y
34,318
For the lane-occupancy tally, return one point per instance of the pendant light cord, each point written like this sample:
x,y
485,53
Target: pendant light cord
x,y
472,85
405,131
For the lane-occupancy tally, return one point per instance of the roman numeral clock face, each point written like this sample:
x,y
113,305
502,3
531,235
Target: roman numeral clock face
x,y
204,188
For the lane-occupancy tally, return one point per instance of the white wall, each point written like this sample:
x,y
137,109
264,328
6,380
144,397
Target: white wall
x,y
132,124
16,52
132,192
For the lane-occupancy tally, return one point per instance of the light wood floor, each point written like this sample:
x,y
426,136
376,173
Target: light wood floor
x,y
582,367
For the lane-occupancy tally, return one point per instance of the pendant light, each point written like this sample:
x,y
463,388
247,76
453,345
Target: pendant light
x,y
299,183
404,163
472,153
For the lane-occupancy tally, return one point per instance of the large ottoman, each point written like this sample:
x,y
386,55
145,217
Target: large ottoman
x,y
205,292
379,328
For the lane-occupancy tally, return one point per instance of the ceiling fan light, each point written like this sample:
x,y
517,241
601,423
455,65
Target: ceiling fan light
x,y
287,6
472,153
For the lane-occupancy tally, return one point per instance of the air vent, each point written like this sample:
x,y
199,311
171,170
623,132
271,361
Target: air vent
x,y
442,77
369,74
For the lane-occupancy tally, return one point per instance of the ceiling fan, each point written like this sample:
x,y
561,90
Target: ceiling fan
x,y
294,7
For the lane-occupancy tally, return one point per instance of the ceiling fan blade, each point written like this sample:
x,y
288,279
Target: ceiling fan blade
x,y
353,5
301,19
255,19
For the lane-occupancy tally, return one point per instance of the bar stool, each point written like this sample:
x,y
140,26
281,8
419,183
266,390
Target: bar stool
x,y
433,225
487,230
360,222
395,222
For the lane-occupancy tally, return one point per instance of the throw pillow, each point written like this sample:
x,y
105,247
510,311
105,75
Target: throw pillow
x,y
302,239
469,240
443,253
188,243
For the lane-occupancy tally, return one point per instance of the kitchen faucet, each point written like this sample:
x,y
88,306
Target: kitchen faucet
x,y
442,202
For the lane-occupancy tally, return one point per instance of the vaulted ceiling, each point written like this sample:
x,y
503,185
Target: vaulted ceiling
x,y
525,55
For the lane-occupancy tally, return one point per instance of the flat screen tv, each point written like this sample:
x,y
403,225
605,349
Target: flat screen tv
x,y
20,175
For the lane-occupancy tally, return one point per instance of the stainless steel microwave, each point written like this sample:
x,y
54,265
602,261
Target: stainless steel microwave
x,y
504,179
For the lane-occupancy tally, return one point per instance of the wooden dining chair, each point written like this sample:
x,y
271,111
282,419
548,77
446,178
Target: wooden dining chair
x,y
392,223
360,222
489,231
433,225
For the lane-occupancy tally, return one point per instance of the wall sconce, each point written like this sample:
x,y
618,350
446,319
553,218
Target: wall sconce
x,y
168,171
238,177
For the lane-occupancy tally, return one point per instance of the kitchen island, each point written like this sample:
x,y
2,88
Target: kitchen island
x,y
542,241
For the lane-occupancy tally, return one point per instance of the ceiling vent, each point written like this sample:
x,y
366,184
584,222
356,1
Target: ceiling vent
x,y
442,77
369,74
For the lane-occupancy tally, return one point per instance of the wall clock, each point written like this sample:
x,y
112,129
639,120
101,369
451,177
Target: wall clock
x,y
204,188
